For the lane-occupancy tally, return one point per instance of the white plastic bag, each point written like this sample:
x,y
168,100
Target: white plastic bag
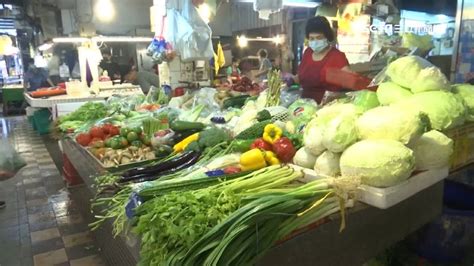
x,y
10,160
194,41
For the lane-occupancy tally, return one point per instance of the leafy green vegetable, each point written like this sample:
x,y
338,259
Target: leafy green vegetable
x,y
340,133
444,109
365,100
379,163
417,74
392,123
466,93
213,136
433,150
389,92
88,111
327,164
304,158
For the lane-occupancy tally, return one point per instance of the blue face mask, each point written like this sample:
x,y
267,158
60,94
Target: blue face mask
x,y
318,45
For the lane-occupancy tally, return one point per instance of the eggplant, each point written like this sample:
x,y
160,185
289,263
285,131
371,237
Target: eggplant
x,y
154,169
193,160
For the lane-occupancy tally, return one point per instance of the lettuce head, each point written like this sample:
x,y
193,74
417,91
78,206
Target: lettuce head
x,y
433,150
466,93
389,92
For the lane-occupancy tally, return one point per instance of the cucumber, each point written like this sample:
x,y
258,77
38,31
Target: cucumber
x,y
185,125
236,102
263,115
254,132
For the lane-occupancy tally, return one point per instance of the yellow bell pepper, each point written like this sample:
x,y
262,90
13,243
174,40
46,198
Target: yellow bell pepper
x,y
252,160
272,133
271,158
180,146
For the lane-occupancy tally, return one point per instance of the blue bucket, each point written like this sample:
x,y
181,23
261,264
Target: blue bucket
x,y
446,239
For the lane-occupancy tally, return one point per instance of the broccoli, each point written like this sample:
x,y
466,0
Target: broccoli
x,y
211,137
193,146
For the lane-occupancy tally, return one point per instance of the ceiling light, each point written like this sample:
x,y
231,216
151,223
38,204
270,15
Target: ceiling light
x,y
301,3
104,10
121,39
242,41
70,40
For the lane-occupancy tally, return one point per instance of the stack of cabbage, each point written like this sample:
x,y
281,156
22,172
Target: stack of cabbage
x,y
384,145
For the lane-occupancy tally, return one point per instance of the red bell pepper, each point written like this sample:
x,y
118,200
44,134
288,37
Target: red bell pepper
x,y
284,149
261,144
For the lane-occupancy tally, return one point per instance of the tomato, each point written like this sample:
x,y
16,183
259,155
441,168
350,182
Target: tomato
x,y
108,142
83,139
115,143
124,132
123,142
145,139
98,144
137,130
132,136
137,143
114,131
97,132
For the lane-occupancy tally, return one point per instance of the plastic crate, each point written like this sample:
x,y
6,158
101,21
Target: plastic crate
x,y
463,138
41,121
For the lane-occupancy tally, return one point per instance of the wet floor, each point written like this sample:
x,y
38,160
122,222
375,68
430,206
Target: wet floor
x,y
41,224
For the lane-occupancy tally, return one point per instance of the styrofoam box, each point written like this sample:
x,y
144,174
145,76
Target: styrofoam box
x,y
384,198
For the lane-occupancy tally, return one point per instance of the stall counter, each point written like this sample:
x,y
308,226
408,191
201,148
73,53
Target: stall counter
x,y
368,230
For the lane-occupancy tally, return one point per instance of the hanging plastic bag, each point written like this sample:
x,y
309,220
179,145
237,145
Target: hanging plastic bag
x,y
10,161
194,44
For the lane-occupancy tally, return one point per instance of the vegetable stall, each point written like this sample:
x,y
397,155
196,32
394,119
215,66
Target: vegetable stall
x,y
191,181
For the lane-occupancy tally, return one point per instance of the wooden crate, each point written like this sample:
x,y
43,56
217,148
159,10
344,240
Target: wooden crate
x,y
463,138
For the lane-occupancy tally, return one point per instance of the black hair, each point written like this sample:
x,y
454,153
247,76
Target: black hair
x,y
106,52
235,59
262,53
321,25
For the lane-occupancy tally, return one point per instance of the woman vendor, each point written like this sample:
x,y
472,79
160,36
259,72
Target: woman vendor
x,y
318,58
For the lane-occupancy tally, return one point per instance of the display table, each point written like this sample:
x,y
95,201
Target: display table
x,y
368,230
104,94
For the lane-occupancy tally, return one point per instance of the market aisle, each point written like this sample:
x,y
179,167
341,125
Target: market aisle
x,y
40,224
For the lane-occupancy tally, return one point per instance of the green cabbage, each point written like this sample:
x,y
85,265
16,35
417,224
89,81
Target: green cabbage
x,y
389,92
329,112
340,133
392,123
327,164
444,109
304,158
313,138
466,93
301,112
433,150
365,100
417,74
379,163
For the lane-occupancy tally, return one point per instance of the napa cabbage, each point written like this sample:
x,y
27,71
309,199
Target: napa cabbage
x,y
389,92
466,93
327,164
304,158
378,163
417,74
392,123
444,109
433,150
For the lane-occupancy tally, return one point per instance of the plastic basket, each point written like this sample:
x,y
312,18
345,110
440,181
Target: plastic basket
x,y
41,121
463,138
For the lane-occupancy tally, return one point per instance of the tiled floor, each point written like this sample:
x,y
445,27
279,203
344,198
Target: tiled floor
x,y
40,225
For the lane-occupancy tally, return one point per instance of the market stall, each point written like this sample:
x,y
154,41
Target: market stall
x,y
252,173
368,156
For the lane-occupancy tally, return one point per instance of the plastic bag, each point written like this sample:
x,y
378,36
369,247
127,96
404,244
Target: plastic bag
x,y
195,42
10,161
330,96
289,96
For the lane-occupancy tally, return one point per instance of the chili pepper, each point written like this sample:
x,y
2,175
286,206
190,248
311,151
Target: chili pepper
x,y
252,160
180,146
284,149
271,158
261,144
272,133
